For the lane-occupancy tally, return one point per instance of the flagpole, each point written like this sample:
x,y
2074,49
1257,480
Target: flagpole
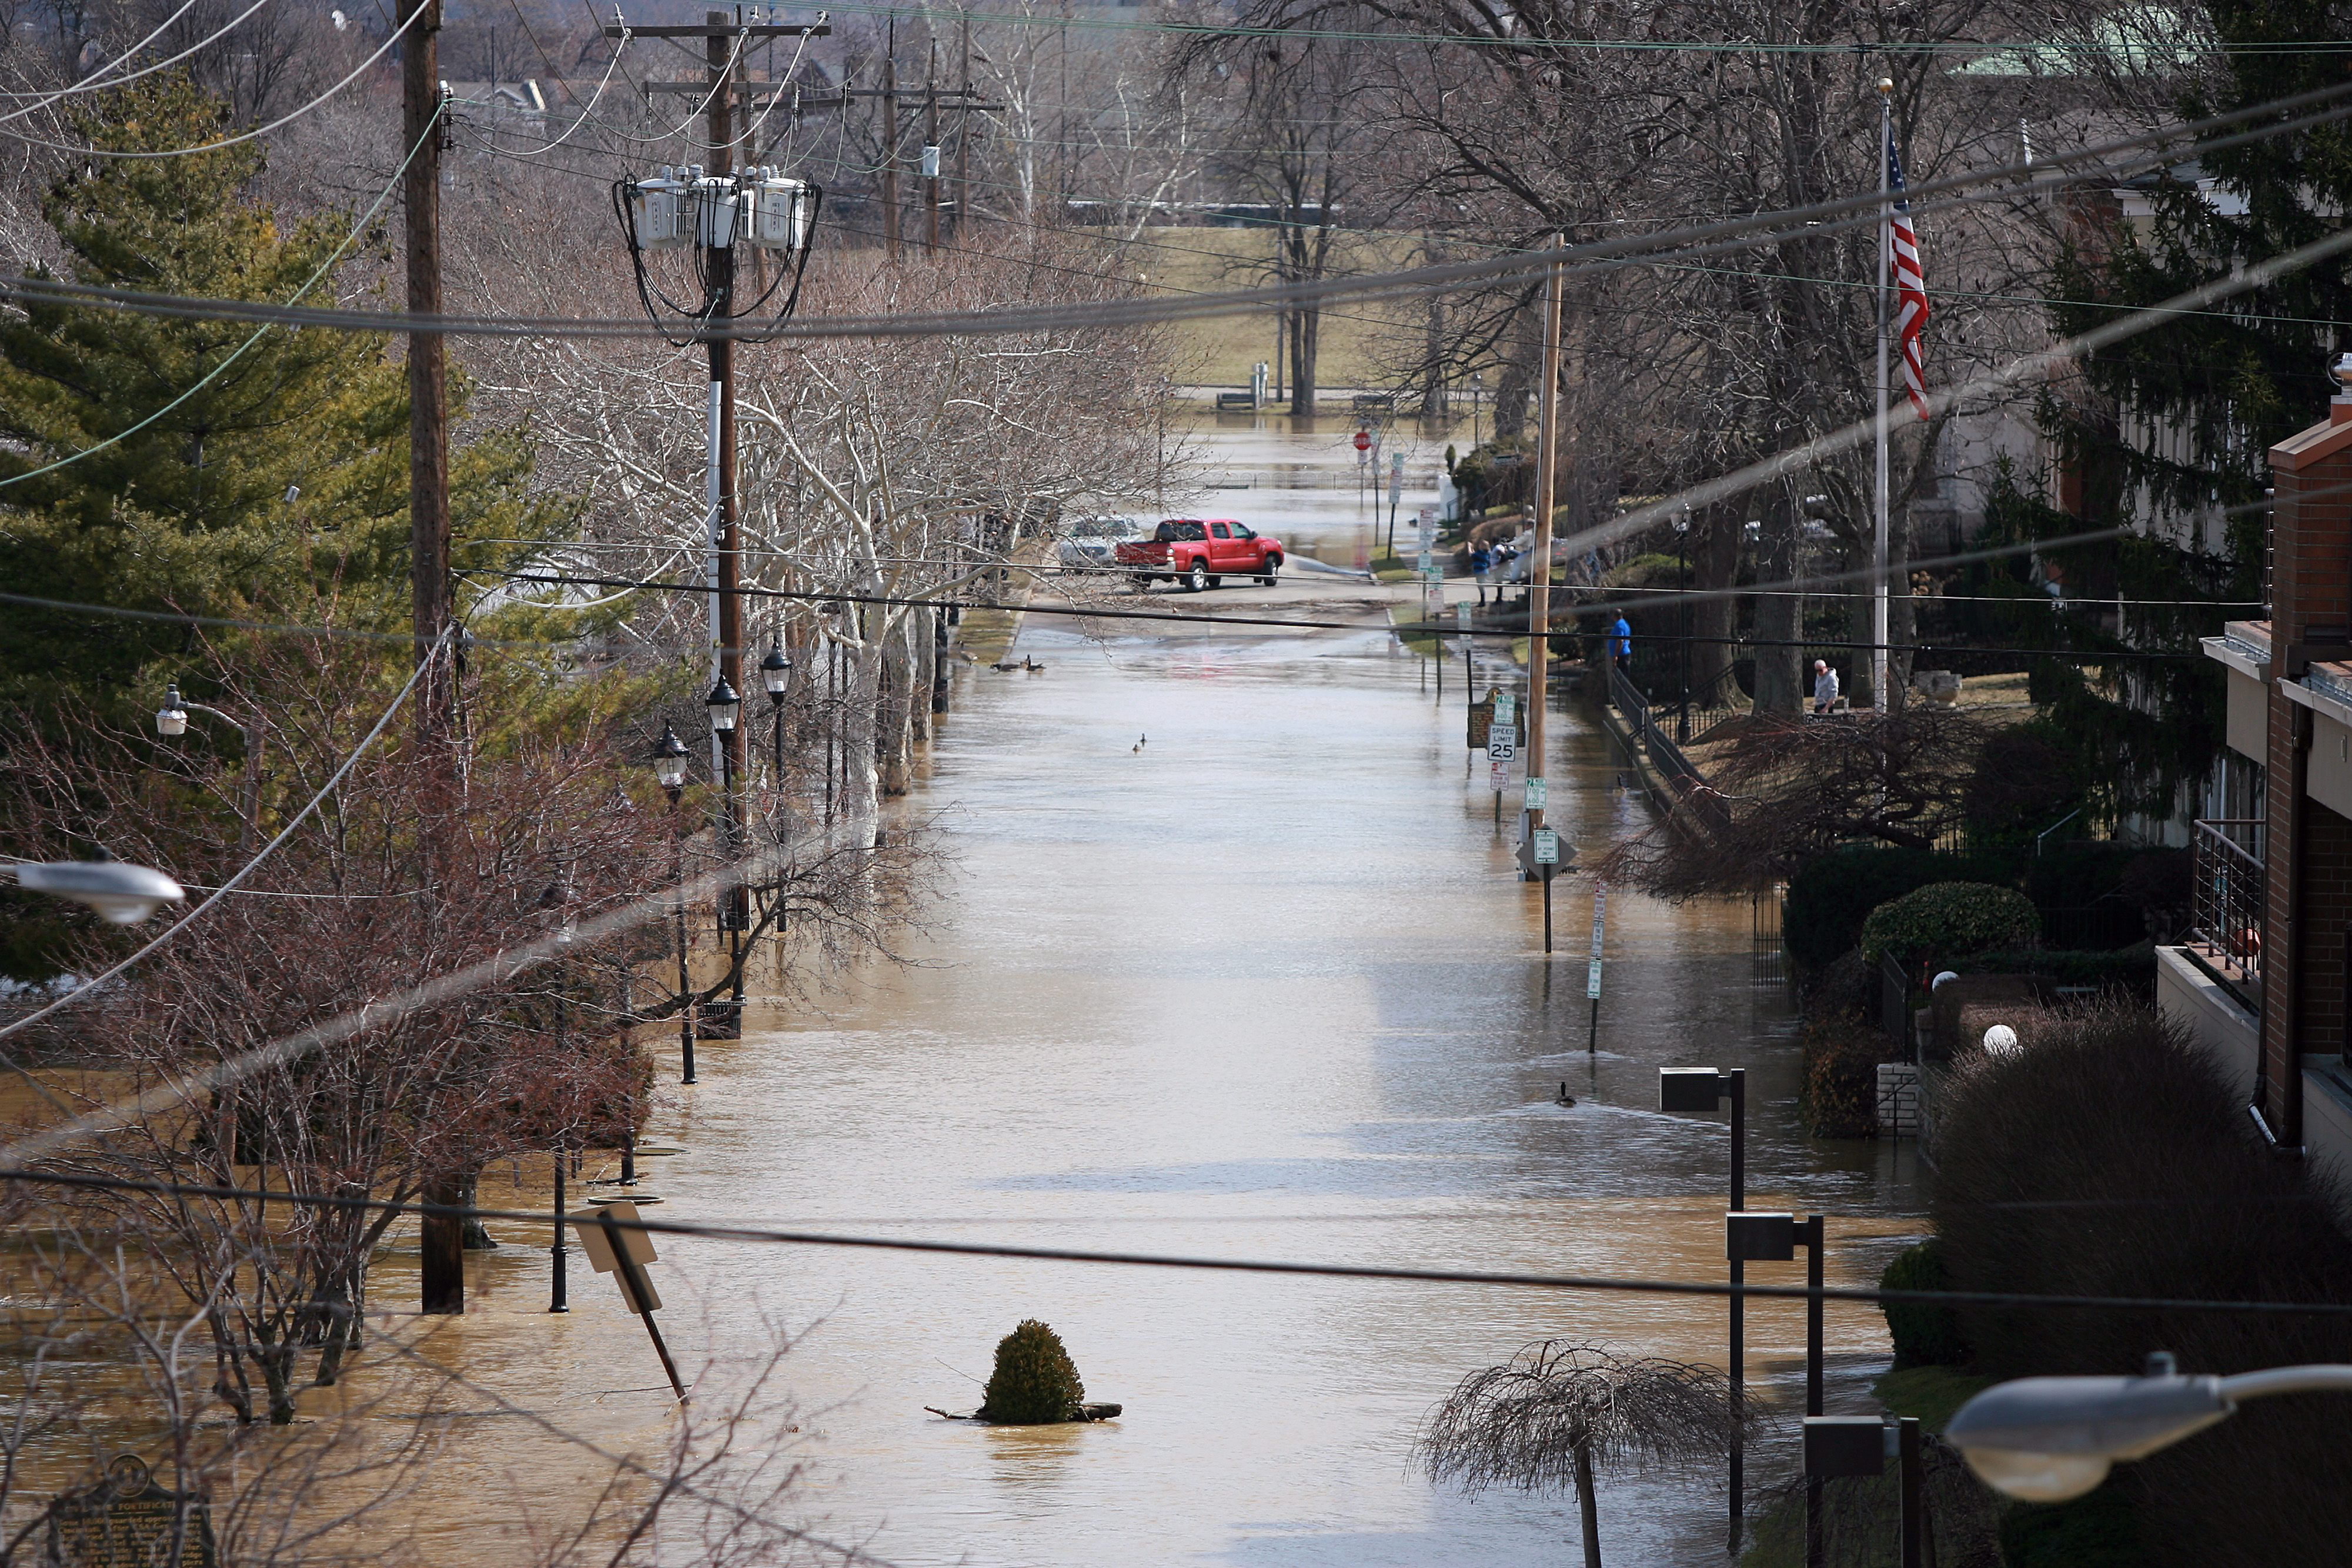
x,y
1878,606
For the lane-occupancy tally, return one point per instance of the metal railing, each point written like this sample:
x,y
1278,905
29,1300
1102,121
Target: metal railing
x,y
1688,785
2226,919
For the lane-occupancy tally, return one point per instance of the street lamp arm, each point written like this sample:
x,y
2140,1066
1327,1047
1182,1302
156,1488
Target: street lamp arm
x,y
2320,1379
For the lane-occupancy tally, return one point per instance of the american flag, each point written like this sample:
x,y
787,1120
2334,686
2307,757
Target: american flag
x,y
1910,284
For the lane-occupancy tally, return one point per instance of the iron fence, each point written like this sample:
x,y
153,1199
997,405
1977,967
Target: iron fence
x,y
2226,919
1767,953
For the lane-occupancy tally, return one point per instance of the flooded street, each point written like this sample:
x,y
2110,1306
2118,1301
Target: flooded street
x,y
1266,987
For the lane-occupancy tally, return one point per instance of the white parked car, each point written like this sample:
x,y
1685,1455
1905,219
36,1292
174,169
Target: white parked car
x,y
1092,543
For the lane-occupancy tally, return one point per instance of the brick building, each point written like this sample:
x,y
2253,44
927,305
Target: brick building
x,y
2264,982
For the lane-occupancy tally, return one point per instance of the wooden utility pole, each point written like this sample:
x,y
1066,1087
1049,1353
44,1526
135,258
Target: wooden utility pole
x,y
963,130
442,1235
723,50
932,151
890,142
1547,486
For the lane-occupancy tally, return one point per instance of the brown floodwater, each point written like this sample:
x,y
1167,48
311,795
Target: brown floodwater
x,y
1266,987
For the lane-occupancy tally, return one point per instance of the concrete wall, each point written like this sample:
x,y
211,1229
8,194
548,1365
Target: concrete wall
x,y
2248,730
2214,1019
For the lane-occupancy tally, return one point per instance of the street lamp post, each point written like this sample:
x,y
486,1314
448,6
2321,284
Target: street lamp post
x,y
1701,1088
670,767
776,676
1842,1446
2047,1439
1769,1238
725,707
172,719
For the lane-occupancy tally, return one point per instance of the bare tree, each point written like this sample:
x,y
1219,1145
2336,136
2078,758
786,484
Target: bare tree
x,y
1556,1414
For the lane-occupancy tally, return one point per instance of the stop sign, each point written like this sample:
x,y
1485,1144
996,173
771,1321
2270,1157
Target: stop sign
x,y
1363,441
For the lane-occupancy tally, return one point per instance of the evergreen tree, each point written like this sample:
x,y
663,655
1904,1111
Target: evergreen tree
x,y
2181,419
282,477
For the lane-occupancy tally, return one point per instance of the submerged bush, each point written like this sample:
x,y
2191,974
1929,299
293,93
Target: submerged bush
x,y
1034,1381
1840,1098
1949,920
1833,894
1924,1334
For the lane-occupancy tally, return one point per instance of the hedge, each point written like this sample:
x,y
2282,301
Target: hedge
x,y
1833,894
1949,920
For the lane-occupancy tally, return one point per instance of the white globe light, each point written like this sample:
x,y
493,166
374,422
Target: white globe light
x,y
2038,1478
1936,984
2001,1040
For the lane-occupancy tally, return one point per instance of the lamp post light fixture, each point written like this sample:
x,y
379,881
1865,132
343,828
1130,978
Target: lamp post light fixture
x,y
734,915
1701,1088
669,763
1774,1238
776,676
122,894
1842,1446
670,767
171,721
724,704
2047,1439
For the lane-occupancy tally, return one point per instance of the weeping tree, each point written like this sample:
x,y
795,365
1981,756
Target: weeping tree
x,y
1558,1412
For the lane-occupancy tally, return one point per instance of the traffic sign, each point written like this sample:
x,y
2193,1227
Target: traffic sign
x,y
1363,441
1546,845
1506,707
1502,743
1462,615
1536,794
1498,775
1592,982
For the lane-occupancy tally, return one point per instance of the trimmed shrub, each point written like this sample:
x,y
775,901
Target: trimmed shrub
x,y
1949,920
2022,784
1833,894
1035,1383
1840,1099
1924,1335
2111,1158
1845,985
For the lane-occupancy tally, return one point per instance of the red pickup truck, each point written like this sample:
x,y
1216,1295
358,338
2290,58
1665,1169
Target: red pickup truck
x,y
1203,552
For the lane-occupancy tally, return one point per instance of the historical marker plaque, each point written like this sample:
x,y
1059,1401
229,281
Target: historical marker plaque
x,y
128,1522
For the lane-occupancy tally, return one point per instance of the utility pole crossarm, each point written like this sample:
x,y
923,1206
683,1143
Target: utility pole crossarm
x,y
764,30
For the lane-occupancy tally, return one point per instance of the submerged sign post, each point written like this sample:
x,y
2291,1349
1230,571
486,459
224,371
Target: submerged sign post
x,y
1502,746
1592,975
615,1246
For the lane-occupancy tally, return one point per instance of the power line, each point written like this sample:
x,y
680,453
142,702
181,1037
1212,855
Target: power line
x,y
1604,255
247,870
258,333
257,130
98,81
766,1236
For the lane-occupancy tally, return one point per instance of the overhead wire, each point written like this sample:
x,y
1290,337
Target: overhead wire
x,y
242,136
171,932
99,80
205,380
1571,260
1400,1274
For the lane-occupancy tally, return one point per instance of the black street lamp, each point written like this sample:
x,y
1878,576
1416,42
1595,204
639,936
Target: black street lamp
x,y
669,763
1774,1238
670,767
776,676
725,707
1701,1088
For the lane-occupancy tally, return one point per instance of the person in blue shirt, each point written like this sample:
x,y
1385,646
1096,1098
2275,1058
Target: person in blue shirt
x,y
1482,562
1621,646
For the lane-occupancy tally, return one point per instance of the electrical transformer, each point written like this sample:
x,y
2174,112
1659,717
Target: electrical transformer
x,y
715,208
659,210
778,210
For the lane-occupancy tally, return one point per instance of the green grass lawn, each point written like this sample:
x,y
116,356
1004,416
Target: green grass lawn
x,y
1219,352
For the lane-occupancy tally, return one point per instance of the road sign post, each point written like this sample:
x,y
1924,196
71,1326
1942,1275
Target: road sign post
x,y
614,1246
1592,974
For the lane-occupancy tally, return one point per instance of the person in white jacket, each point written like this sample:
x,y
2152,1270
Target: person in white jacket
x,y
1826,686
